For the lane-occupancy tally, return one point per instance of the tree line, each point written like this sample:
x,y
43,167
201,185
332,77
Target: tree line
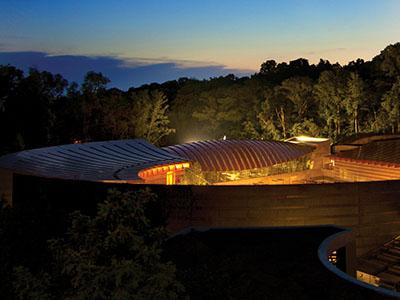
x,y
281,100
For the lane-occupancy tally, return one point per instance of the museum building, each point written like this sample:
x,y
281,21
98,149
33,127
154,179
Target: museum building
x,y
303,181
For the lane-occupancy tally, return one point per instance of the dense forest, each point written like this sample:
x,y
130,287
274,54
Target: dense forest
x,y
283,99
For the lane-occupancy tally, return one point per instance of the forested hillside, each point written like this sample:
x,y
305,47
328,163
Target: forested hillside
x,y
283,99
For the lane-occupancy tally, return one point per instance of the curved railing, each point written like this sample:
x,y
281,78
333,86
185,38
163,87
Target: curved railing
x,y
335,242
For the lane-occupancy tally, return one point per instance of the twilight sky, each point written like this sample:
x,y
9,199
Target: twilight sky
x,y
135,42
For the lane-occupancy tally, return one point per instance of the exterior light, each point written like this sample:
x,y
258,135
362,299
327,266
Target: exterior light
x,y
306,139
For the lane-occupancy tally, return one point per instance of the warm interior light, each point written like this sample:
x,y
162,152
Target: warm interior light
x,y
163,170
170,178
333,258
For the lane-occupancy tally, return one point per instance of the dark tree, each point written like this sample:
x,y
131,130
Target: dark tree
x,y
113,255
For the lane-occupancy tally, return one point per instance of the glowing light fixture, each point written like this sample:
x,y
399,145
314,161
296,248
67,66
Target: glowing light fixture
x,y
306,139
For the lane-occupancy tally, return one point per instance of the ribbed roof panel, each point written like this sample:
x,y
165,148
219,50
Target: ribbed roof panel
x,y
110,160
228,155
385,150
123,159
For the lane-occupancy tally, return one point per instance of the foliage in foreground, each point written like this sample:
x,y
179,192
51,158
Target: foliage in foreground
x,y
113,255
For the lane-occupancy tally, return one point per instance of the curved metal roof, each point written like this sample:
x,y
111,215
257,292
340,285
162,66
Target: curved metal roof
x,y
228,155
387,150
123,159
111,160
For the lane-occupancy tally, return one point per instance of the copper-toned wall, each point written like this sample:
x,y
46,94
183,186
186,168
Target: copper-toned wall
x,y
371,209
353,170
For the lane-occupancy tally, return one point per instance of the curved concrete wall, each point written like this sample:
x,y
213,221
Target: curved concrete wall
x,y
343,239
370,209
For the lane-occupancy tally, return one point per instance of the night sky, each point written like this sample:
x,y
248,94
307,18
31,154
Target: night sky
x,y
137,42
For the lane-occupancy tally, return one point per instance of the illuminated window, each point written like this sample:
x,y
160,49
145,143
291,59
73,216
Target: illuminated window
x,y
368,278
333,258
170,178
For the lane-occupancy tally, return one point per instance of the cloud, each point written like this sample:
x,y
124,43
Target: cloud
x,y
123,72
180,63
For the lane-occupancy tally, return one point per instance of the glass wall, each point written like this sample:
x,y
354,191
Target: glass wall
x,y
194,174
